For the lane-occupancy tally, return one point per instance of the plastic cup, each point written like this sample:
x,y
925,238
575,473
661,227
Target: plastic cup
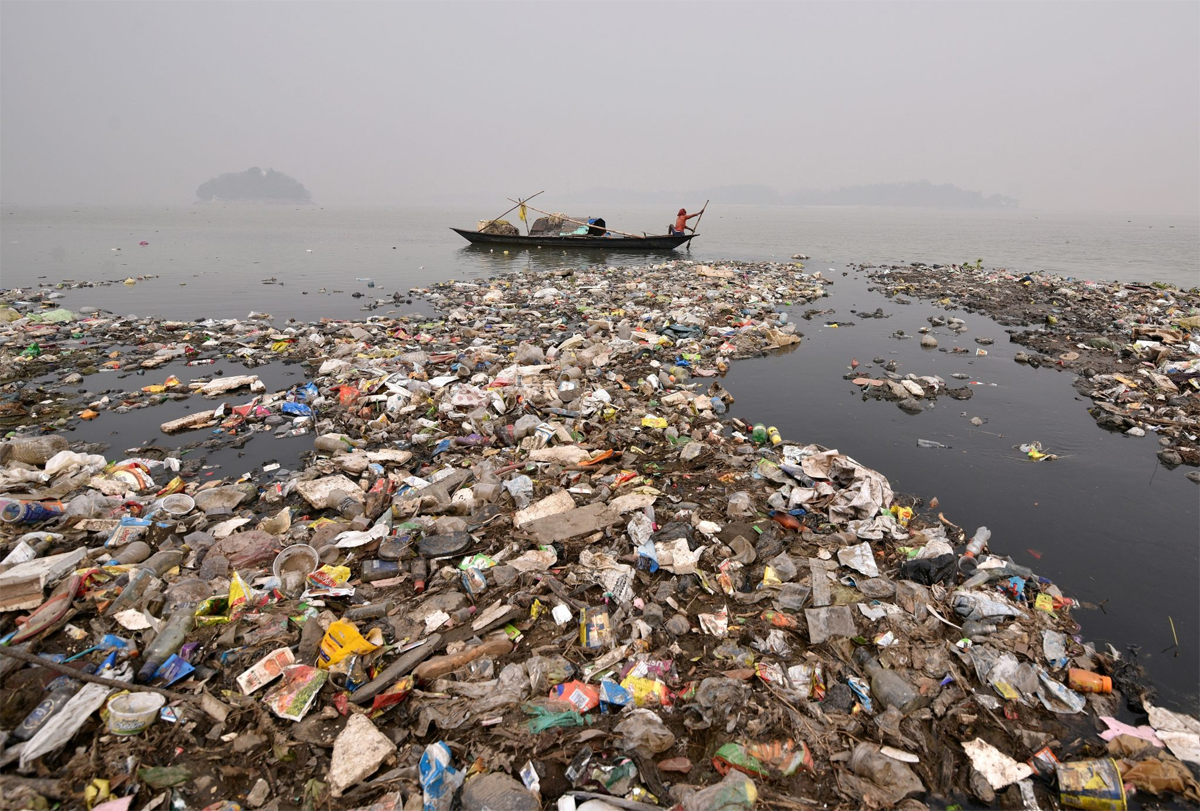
x,y
179,504
133,713
298,558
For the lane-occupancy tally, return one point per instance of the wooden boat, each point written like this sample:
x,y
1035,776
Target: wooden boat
x,y
660,242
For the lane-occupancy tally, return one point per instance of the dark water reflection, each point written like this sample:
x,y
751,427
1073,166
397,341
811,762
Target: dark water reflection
x,y
1110,524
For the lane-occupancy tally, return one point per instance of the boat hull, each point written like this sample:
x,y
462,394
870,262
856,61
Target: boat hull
x,y
665,242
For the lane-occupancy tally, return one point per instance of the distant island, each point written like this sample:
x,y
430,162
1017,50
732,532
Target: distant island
x,y
253,186
918,193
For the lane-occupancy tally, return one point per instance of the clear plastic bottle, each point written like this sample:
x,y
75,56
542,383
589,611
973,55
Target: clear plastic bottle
x,y
33,450
888,687
134,591
58,693
975,547
334,443
867,761
168,641
162,562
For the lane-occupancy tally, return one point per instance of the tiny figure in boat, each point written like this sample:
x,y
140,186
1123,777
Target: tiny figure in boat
x,y
681,226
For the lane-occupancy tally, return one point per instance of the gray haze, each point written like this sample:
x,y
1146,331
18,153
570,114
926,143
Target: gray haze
x,y
1073,106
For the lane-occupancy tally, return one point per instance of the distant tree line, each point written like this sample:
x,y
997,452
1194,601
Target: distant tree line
x,y
254,186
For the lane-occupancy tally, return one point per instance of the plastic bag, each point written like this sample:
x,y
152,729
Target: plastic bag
x,y
644,731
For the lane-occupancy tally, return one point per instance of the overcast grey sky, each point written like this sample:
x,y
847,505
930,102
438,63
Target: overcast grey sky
x,y
1070,106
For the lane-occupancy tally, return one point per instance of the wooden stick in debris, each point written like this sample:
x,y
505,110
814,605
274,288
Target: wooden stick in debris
x,y
38,661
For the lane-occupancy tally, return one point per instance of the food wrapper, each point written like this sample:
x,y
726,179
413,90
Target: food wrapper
x,y
647,692
715,624
171,671
768,759
221,610
176,485
614,697
297,692
343,639
779,619
266,670
903,514
129,530
582,697
392,696
329,576
595,632
239,595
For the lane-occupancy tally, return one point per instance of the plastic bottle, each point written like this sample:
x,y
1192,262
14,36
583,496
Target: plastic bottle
x,y
371,611
33,450
759,434
133,552
888,687
773,435
867,761
1004,572
162,562
27,511
169,640
1085,681
59,692
978,543
334,443
786,520
462,615
419,570
379,570
135,589
348,507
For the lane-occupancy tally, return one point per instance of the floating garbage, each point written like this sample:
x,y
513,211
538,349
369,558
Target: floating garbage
x,y
517,555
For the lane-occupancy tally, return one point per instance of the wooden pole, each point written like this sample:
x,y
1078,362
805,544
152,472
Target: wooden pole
x,y
698,219
38,661
518,205
578,222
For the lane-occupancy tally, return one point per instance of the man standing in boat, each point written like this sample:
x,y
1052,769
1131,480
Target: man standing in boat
x,y
681,226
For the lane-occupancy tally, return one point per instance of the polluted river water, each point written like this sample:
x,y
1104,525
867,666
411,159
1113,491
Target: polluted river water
x,y
1110,543
1111,525
1105,521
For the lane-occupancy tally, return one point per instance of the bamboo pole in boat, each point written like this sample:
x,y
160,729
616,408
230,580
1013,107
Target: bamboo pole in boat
x,y
518,205
578,222
698,219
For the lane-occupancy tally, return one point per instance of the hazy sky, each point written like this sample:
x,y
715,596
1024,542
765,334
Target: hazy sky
x,y
1070,106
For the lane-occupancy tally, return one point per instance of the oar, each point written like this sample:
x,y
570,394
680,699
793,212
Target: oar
x,y
579,222
518,205
698,219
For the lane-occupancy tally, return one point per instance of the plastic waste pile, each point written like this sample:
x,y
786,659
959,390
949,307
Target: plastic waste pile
x,y
1135,347
529,561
